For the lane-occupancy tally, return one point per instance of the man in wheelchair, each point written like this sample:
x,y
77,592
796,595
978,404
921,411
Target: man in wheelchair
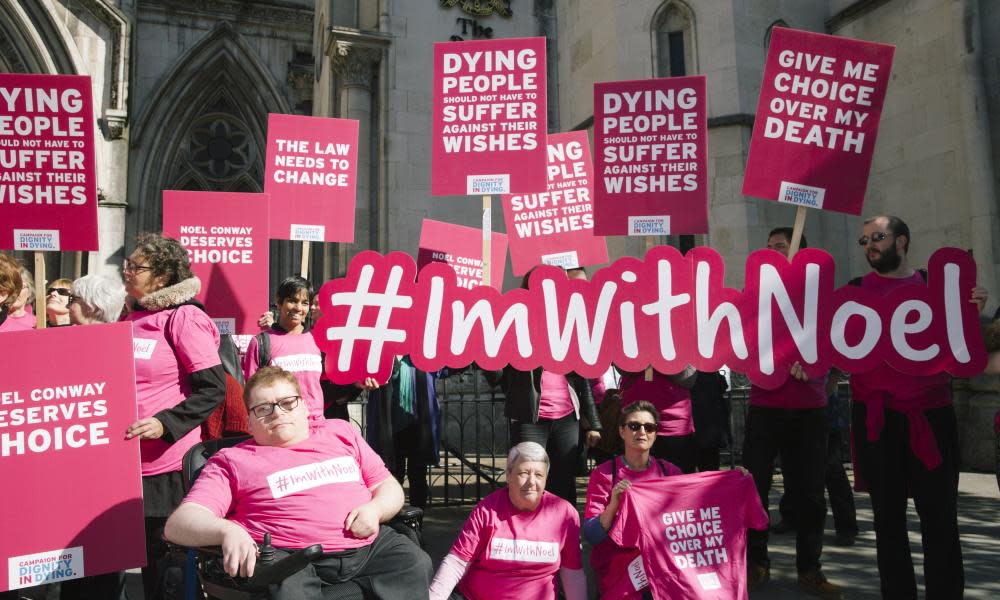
x,y
304,483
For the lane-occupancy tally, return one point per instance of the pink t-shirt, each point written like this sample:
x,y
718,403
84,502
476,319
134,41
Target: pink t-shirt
x,y
671,400
162,373
691,531
791,394
515,554
298,354
555,401
302,494
612,563
22,323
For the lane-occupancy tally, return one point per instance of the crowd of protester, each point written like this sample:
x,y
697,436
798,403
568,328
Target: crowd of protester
x,y
649,426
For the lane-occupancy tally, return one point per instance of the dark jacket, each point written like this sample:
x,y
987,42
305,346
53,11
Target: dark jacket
x,y
523,392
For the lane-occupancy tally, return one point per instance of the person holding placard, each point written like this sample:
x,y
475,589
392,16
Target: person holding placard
x,y
179,381
905,439
284,344
792,422
19,317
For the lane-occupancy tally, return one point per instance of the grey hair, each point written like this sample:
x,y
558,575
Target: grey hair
x,y
102,293
526,452
28,280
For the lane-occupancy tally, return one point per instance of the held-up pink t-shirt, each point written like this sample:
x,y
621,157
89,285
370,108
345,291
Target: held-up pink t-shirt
x,y
793,394
515,554
162,373
620,571
555,401
23,323
671,400
691,531
302,494
298,354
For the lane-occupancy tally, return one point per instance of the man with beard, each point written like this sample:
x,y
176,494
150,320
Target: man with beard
x,y
906,441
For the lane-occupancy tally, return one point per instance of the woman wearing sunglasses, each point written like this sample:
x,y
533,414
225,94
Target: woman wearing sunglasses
x,y
616,567
57,302
179,381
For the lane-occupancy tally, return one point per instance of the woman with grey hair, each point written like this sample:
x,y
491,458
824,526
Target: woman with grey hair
x,y
516,540
97,298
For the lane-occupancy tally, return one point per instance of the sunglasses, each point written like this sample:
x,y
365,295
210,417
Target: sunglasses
x,y
60,291
266,409
635,426
878,236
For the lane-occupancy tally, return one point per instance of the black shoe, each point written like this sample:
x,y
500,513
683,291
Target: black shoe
x,y
845,539
782,526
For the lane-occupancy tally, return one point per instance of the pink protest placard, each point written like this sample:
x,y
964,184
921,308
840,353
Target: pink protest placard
x,y
74,491
48,187
311,176
650,140
489,117
817,120
556,227
225,234
462,248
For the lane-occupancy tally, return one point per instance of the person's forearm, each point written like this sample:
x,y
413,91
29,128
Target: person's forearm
x,y
449,573
194,525
607,517
388,498
574,583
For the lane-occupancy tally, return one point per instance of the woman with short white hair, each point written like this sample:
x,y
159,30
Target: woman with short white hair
x,y
97,298
516,540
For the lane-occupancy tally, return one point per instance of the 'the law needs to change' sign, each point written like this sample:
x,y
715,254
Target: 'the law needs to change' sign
x,y
650,157
225,234
817,119
74,493
311,176
462,248
489,117
48,189
556,226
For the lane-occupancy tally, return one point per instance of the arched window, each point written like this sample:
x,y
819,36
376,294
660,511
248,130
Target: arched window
x,y
770,28
673,40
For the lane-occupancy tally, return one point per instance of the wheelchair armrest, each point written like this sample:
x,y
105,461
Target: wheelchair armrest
x,y
409,513
266,574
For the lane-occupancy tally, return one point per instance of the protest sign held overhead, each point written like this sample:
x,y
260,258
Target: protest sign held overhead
x,y
556,226
490,117
650,140
63,449
48,187
817,119
461,248
667,311
225,234
311,177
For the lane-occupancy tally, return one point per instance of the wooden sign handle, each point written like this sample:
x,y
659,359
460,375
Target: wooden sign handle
x,y
304,270
800,224
40,290
650,244
487,238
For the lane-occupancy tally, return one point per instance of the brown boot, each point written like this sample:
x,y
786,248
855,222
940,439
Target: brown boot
x,y
816,584
757,575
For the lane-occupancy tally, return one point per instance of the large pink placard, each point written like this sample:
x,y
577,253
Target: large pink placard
x,y
462,248
73,503
650,140
48,186
490,117
311,176
225,234
817,119
667,311
556,227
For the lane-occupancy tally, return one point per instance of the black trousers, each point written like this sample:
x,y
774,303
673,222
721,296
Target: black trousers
x,y
561,439
390,568
799,436
410,461
163,575
891,470
838,489
681,450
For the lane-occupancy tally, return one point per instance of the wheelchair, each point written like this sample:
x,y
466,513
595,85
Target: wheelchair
x,y
218,585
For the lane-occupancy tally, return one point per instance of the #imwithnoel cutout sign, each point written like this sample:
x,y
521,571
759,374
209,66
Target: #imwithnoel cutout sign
x,y
666,311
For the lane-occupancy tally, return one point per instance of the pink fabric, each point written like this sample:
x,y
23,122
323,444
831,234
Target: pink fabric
x,y
793,394
609,560
885,388
22,323
555,402
514,554
691,532
671,400
162,373
302,494
600,390
297,354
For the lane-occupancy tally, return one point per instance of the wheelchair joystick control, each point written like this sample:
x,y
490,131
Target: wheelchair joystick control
x,y
266,551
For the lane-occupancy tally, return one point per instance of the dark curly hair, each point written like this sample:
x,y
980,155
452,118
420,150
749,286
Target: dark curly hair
x,y
166,257
290,288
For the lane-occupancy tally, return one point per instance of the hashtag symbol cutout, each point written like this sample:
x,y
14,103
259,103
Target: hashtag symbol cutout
x,y
282,483
358,301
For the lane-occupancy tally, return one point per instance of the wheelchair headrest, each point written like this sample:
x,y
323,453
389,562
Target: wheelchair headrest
x,y
198,455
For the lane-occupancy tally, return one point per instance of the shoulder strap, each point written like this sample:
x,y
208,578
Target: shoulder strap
x,y
663,469
923,274
263,349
